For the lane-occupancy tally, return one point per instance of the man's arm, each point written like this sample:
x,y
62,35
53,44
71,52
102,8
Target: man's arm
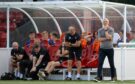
x,y
13,59
78,41
108,36
67,44
19,57
102,39
58,53
76,44
34,64
34,61
39,60
65,52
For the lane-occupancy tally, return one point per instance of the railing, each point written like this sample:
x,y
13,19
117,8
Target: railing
x,y
123,53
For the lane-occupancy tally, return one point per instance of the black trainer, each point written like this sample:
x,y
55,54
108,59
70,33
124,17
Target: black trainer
x,y
68,78
113,79
46,73
97,79
79,78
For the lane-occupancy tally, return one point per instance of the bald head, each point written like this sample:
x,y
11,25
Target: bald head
x,y
15,45
72,29
106,22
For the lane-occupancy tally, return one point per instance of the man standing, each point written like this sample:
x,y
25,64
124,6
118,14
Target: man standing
x,y
105,36
40,60
75,51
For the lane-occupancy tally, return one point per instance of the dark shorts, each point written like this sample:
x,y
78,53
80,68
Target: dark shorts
x,y
25,64
61,59
75,54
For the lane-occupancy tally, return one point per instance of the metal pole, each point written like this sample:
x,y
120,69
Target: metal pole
x,y
122,15
104,10
31,19
8,28
123,50
53,18
77,19
125,21
93,12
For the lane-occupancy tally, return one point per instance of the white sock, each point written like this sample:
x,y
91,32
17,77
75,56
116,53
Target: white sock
x,y
69,74
21,75
18,74
78,76
15,73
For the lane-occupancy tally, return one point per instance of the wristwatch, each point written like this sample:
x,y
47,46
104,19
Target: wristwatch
x,y
106,30
36,66
71,45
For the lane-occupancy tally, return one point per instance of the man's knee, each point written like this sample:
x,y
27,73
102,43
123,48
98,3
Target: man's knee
x,y
70,63
51,63
78,64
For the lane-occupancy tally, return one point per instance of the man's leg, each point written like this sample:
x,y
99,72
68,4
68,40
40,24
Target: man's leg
x,y
14,68
34,74
11,67
29,68
78,69
19,75
110,56
101,59
78,58
70,68
23,66
48,66
53,65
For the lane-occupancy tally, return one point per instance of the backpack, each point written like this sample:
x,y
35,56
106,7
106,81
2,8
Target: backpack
x,y
7,76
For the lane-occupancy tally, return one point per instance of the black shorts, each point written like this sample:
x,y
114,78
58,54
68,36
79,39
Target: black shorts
x,y
25,64
61,59
75,54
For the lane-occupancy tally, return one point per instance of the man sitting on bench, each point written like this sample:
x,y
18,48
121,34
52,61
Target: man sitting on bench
x,y
63,53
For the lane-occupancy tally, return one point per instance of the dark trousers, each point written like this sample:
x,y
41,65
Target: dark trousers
x,y
110,55
33,74
25,64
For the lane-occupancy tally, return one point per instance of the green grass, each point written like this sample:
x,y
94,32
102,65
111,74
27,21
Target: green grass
x,y
64,82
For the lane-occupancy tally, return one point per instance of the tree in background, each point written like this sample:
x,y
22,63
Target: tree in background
x,y
123,1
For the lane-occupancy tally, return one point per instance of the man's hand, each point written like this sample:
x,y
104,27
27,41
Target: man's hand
x,y
13,61
19,57
67,44
76,44
33,69
108,36
105,27
102,39
60,55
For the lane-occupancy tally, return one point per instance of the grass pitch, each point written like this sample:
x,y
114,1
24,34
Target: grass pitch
x,y
65,82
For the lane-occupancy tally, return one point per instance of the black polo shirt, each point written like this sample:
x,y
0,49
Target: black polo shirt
x,y
19,51
43,52
72,39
